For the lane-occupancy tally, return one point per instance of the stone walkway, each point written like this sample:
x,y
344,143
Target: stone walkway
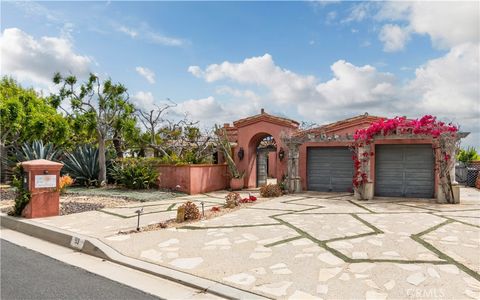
x,y
311,245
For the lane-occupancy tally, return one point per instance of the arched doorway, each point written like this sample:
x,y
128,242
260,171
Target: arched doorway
x,y
266,160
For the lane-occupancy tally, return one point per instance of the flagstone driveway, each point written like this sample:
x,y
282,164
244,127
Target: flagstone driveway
x,y
311,245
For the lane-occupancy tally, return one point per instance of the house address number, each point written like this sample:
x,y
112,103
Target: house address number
x,y
45,181
77,242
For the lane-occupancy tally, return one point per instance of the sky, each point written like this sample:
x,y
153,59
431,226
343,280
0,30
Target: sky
x,y
315,61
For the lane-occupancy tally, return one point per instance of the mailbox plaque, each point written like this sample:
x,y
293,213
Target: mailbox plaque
x,y
45,181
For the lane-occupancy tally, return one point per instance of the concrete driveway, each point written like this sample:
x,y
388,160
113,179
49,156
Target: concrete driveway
x,y
312,245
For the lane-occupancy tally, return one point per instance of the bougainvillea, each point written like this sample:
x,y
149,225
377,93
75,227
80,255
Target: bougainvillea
x,y
250,199
444,138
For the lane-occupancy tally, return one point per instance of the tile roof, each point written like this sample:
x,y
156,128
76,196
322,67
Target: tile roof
x,y
339,124
263,116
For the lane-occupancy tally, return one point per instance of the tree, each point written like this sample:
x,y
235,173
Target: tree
x,y
468,155
153,120
106,104
24,117
175,139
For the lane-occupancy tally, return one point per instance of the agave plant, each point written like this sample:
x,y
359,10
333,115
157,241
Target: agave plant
x,y
82,165
36,150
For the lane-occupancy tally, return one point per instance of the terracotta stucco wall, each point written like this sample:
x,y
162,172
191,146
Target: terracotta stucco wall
x,y
272,163
208,178
193,179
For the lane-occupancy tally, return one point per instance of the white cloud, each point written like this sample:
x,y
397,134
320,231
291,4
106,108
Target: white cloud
x,y
148,74
394,37
447,23
446,87
196,71
128,31
449,85
260,71
351,84
32,8
144,100
36,60
164,40
242,94
143,31
331,16
358,12
208,110
285,90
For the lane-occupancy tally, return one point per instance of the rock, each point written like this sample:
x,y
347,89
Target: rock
x,y
67,208
180,214
416,278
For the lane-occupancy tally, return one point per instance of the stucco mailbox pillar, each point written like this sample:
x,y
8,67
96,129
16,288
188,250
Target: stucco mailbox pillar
x,y
41,179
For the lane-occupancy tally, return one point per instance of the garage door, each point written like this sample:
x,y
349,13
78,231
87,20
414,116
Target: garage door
x,y
329,169
404,171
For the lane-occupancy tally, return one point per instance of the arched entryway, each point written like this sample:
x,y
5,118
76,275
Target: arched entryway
x,y
258,138
266,161
263,159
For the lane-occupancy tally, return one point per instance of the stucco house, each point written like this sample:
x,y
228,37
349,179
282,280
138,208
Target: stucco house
x,y
319,159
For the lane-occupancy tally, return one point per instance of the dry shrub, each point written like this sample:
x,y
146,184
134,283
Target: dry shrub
x,y
232,199
191,211
270,190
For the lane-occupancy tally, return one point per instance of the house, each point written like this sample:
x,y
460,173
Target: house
x,y
319,159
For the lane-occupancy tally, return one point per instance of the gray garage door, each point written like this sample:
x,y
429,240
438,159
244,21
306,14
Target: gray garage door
x,y
329,169
404,171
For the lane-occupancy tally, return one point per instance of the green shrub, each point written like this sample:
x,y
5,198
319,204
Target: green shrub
x,y
82,165
135,173
187,158
468,155
22,196
270,190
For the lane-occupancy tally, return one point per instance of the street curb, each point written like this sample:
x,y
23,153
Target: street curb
x,y
95,247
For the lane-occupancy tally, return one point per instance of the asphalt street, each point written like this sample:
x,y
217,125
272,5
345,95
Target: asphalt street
x,y
27,274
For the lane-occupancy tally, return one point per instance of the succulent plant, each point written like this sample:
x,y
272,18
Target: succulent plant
x,y
82,165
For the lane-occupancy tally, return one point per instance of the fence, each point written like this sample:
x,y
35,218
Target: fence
x,y
466,173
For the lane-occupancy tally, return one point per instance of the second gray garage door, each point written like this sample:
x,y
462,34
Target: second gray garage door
x,y
404,171
329,169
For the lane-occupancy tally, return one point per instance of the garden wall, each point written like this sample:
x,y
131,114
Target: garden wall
x,y
193,179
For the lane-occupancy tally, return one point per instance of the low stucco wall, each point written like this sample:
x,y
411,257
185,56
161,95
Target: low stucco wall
x,y
193,179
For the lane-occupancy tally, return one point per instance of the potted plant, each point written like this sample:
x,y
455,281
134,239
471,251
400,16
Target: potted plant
x,y
237,181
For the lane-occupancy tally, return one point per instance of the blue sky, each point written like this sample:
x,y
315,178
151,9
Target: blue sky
x,y
315,61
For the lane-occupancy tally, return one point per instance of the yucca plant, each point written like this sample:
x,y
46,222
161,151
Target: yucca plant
x,y
82,165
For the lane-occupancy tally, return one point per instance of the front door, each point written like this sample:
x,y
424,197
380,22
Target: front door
x,y
262,167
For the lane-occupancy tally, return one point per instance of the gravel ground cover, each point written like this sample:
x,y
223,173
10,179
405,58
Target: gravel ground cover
x,y
136,195
81,199
7,194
